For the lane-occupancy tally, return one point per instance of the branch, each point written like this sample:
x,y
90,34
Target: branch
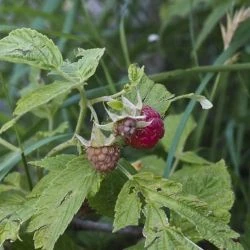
x,y
79,225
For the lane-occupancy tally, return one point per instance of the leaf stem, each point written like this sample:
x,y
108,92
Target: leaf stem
x,y
83,110
61,146
8,145
125,172
106,98
175,164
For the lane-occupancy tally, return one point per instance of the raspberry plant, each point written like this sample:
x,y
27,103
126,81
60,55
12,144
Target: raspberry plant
x,y
177,212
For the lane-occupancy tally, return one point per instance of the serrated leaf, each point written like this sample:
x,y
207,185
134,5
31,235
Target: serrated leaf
x,y
53,163
49,109
152,94
85,67
30,47
11,200
59,130
171,123
165,193
41,96
104,201
135,73
127,208
160,235
54,200
155,221
197,213
192,158
57,197
211,184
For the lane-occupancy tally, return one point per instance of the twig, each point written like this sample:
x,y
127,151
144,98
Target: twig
x,y
79,224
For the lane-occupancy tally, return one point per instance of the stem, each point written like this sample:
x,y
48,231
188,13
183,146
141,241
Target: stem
x,y
106,98
201,69
124,43
174,166
8,145
108,77
204,115
190,95
50,122
83,110
61,146
26,168
125,172
192,37
93,112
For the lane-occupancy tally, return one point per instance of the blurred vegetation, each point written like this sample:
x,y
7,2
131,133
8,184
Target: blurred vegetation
x,y
187,35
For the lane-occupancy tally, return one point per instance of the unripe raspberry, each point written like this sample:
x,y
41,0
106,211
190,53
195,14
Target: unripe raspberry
x,y
105,158
125,127
148,136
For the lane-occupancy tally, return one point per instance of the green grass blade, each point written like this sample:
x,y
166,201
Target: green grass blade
x,y
243,37
12,159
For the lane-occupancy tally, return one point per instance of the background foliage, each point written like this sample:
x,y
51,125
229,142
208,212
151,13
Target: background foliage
x,y
189,36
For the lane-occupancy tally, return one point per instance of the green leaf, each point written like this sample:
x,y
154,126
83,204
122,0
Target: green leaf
x,y
9,124
152,94
85,67
41,96
104,201
169,194
58,196
30,47
59,130
211,184
159,234
11,200
198,214
139,246
135,73
53,163
15,181
171,122
153,164
192,158
127,208
115,104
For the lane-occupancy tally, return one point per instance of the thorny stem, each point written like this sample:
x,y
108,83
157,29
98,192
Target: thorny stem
x,y
8,145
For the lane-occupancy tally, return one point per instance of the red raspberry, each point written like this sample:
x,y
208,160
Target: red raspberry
x,y
148,136
105,158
